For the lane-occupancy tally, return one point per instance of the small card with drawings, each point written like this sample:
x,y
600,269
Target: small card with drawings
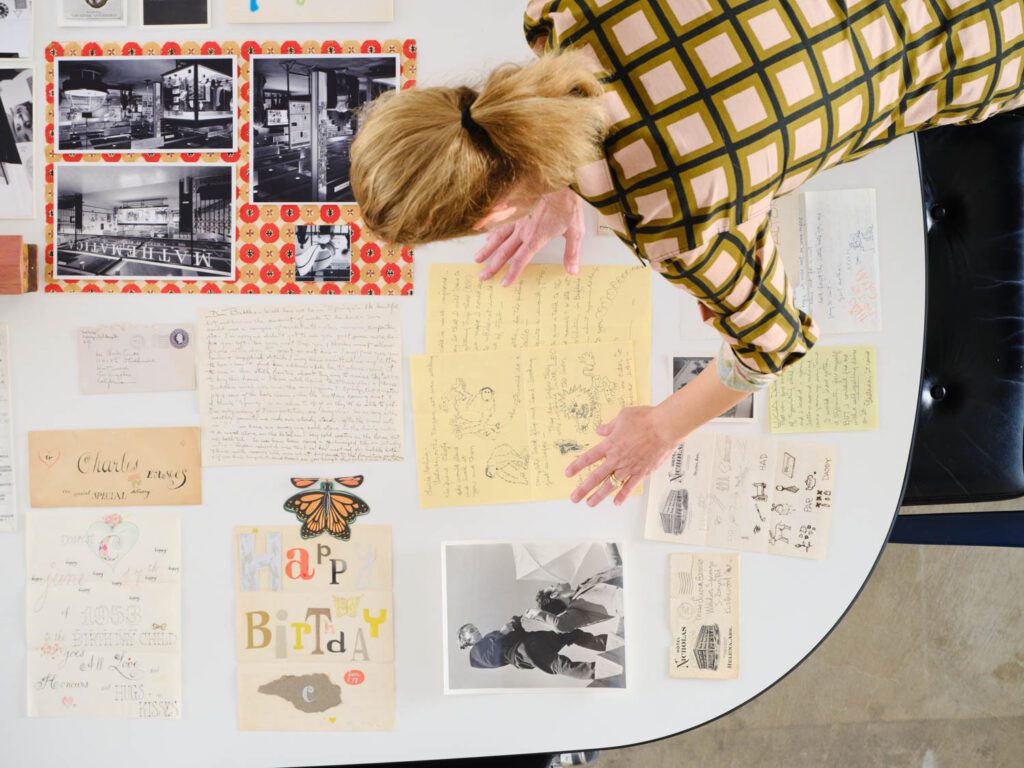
x,y
117,359
704,615
753,494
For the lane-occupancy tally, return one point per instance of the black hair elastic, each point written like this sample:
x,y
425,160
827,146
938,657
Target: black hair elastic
x,y
468,122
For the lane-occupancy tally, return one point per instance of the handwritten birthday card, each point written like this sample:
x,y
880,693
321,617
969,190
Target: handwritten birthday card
x,y
104,614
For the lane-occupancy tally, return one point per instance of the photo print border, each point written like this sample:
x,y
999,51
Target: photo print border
x,y
265,234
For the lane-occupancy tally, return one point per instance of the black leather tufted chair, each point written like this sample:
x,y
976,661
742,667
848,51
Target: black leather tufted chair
x,y
969,444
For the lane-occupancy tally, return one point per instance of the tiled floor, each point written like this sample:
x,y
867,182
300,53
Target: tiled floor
x,y
927,670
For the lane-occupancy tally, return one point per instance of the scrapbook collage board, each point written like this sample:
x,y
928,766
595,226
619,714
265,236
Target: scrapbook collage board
x,y
252,138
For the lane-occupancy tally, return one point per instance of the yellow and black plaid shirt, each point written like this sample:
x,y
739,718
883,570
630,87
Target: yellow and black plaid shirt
x,y
721,105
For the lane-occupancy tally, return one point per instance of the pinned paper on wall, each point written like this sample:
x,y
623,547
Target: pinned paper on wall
x,y
319,11
704,615
544,308
754,494
115,467
119,359
832,389
301,384
104,614
501,427
8,497
314,631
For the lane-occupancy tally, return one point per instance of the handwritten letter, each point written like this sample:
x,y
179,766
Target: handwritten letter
x,y
833,389
839,283
315,631
115,359
104,615
501,427
317,384
704,614
8,498
545,308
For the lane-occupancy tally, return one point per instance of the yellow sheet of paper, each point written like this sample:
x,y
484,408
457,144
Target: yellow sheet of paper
x,y
501,427
545,308
833,389
704,614
314,630
115,468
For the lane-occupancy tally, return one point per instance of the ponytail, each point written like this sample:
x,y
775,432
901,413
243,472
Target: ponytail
x,y
429,163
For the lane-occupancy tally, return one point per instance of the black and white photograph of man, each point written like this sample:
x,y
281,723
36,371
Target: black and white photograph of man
x,y
175,13
536,616
146,104
304,118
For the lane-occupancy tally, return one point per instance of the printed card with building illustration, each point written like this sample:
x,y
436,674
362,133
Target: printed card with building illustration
x,y
314,630
704,615
753,494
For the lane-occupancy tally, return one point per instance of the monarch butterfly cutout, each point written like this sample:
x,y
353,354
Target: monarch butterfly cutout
x,y
326,510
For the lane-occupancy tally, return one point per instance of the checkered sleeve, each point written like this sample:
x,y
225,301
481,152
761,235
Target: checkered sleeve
x,y
740,282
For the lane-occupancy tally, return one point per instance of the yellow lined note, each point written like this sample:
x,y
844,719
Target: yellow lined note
x,y
833,389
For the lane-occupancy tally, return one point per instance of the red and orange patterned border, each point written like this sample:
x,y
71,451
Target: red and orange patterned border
x,y
265,255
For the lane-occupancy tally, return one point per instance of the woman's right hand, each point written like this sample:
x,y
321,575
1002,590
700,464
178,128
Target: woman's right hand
x,y
557,214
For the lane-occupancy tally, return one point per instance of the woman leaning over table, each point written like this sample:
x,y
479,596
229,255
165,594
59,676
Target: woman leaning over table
x,y
679,120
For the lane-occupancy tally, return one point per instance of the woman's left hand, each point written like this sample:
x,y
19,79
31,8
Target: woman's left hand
x,y
634,445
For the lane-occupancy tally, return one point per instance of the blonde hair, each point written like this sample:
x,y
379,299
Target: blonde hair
x,y
421,172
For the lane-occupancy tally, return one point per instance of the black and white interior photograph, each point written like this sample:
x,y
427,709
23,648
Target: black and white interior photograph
x,y
304,114
323,253
180,104
175,13
146,222
16,131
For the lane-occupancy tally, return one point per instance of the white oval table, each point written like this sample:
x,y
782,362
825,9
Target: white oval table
x,y
788,605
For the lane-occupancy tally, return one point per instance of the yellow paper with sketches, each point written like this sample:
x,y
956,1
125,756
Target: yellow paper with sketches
x,y
544,308
501,427
833,389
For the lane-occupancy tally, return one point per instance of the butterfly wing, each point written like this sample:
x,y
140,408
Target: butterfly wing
x,y
311,509
349,482
344,508
304,482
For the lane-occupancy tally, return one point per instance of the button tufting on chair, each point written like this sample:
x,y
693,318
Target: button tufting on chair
x,y
970,447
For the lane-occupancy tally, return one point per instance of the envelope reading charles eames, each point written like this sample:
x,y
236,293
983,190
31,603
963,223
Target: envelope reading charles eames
x,y
115,467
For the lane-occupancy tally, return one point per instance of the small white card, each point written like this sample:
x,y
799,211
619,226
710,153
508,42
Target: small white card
x,y
116,359
704,614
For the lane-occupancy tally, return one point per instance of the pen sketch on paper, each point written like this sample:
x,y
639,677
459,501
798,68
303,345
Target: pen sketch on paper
x,y
479,441
104,614
719,490
301,384
544,308
314,631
